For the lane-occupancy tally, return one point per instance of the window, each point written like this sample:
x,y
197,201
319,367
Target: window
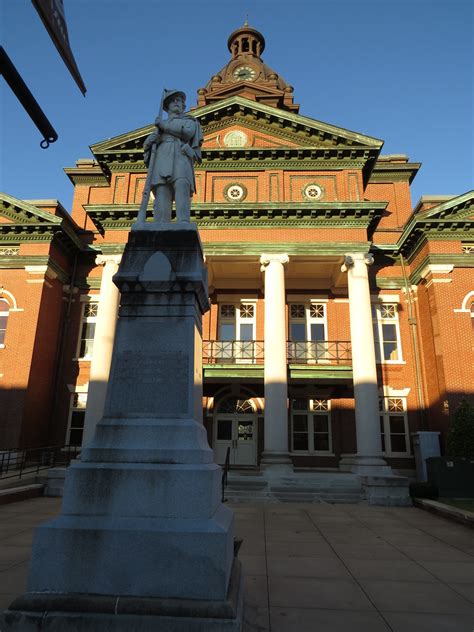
x,y
308,331
387,332
311,425
237,331
394,426
77,415
89,319
4,312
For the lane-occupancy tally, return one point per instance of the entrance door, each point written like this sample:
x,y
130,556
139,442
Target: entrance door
x,y
236,432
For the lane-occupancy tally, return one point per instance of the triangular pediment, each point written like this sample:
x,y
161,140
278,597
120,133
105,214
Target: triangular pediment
x,y
459,207
287,128
15,211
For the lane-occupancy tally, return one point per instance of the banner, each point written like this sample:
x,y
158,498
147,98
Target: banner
x,y
52,15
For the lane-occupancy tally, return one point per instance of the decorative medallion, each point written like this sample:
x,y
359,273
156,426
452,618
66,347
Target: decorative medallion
x,y
236,138
235,192
312,192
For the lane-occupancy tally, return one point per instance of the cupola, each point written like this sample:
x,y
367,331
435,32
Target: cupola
x,y
247,75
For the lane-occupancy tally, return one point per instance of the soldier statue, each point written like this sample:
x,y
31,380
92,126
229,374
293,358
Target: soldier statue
x,y
170,154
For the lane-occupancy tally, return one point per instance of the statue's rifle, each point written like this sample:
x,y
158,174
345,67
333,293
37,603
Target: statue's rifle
x,y
141,219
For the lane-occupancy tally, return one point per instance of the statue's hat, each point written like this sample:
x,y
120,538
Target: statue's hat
x,y
168,94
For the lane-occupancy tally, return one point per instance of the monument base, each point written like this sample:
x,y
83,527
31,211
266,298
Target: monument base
x,y
59,612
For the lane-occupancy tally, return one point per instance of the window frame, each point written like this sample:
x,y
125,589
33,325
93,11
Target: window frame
x,y
91,300
6,314
311,413
385,414
74,407
379,320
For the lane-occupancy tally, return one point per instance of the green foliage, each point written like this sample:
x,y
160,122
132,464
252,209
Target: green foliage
x,y
461,432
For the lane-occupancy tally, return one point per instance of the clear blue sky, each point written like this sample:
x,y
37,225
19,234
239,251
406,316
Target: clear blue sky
x,y
398,70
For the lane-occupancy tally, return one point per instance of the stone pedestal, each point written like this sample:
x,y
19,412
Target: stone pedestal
x,y
142,524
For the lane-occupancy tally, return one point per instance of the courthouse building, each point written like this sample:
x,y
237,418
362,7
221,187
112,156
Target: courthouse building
x,y
341,316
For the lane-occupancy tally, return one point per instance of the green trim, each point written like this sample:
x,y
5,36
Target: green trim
x,y
457,260
253,215
91,283
389,283
296,248
20,262
228,371
315,372
395,172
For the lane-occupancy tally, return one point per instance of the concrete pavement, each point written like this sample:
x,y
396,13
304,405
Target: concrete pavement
x,y
318,567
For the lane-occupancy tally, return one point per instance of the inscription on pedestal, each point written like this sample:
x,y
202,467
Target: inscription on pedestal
x,y
149,384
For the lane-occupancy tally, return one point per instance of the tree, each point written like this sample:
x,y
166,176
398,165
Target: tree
x,y
461,432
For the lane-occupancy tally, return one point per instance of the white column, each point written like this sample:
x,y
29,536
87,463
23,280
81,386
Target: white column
x,y
275,369
103,344
369,458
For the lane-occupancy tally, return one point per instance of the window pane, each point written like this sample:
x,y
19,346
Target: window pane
x,y
245,431
390,351
298,332
398,443
224,429
300,441
246,332
3,322
300,404
321,423
321,442
75,437
88,330
297,311
77,419
86,348
382,434
247,311
317,331
227,331
397,425
300,423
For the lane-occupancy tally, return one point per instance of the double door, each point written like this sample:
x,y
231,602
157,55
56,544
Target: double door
x,y
237,432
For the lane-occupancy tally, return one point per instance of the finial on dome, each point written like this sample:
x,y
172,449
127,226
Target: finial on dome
x,y
246,23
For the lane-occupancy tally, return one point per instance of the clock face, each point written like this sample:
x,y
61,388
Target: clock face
x,y
244,73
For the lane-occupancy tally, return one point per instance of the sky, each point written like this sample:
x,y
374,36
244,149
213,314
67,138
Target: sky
x,y
398,70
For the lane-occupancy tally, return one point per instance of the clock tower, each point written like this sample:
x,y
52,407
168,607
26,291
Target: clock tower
x,y
247,75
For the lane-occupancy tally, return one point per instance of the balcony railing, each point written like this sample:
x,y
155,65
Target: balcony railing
x,y
252,352
320,352
232,352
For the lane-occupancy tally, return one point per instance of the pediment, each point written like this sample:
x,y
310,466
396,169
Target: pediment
x,y
286,127
460,207
15,211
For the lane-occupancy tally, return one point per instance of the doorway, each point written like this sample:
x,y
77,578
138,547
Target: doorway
x,y
235,427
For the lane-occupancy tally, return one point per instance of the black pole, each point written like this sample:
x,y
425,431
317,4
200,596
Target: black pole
x,y
23,94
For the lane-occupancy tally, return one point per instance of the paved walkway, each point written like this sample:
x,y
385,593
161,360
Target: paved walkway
x,y
325,568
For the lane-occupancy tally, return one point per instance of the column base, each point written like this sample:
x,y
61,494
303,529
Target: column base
x,y
75,612
365,465
276,463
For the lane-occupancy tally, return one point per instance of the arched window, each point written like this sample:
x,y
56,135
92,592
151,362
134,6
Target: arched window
x,y
4,311
232,405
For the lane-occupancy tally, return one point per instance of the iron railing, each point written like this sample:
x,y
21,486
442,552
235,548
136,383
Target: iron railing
x,y
232,352
20,462
319,352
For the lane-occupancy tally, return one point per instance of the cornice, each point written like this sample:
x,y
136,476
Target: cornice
x,y
256,249
457,260
258,215
397,172
389,283
21,262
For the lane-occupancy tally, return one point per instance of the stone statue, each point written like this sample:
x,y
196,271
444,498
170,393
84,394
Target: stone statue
x,y
178,145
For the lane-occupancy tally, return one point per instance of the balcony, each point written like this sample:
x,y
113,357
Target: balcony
x,y
320,352
232,352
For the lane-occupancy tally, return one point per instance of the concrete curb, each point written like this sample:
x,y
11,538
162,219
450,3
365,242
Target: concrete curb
x,y
15,494
446,511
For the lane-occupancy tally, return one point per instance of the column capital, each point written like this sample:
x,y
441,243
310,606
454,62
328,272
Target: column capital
x,y
103,260
267,258
351,258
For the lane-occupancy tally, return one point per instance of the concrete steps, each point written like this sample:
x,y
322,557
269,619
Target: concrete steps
x,y
313,487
